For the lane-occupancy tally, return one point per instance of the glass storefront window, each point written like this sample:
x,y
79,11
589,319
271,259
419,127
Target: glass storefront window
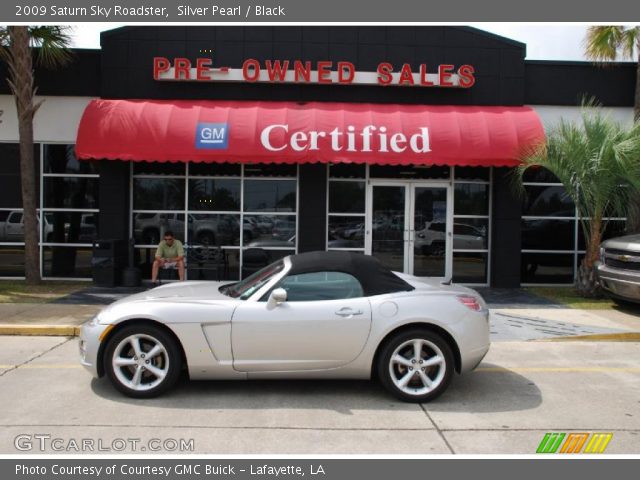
x,y
69,227
470,267
347,170
471,199
547,268
539,175
199,265
213,229
263,231
550,201
62,159
158,194
149,228
476,174
346,231
470,233
346,197
214,194
70,192
545,234
269,195
11,261
69,262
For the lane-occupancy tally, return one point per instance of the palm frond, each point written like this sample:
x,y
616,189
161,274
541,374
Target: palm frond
x,y
51,43
608,42
598,162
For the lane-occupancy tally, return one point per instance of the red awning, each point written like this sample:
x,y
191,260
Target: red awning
x,y
286,132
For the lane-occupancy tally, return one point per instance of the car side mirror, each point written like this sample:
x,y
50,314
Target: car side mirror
x,y
278,296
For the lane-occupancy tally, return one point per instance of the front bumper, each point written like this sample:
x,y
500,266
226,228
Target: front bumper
x,y
624,284
90,346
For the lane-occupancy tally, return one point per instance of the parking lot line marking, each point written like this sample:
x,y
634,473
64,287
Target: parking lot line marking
x,y
43,365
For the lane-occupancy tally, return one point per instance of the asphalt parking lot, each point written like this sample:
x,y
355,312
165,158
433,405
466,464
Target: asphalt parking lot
x,y
522,390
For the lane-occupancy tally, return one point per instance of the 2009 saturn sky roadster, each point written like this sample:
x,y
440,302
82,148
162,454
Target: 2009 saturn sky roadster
x,y
314,315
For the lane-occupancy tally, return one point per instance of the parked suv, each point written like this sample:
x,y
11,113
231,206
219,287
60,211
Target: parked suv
x,y
619,267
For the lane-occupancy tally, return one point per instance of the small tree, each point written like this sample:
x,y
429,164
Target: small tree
x,y
607,43
16,45
598,162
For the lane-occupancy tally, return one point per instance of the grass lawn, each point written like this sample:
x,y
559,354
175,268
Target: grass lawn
x,y
16,291
569,297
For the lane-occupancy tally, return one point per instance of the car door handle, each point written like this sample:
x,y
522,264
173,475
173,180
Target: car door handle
x,y
348,312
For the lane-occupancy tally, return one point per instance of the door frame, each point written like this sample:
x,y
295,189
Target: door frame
x,y
409,213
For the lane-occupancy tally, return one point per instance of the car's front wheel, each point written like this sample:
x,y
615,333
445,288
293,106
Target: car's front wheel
x,y
416,365
142,361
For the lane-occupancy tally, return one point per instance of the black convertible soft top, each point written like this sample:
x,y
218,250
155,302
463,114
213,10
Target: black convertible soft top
x,y
374,277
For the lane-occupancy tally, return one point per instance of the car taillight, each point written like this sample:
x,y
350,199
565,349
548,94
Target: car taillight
x,y
470,302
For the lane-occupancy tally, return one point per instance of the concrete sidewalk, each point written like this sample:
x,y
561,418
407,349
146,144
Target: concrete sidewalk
x,y
44,318
515,315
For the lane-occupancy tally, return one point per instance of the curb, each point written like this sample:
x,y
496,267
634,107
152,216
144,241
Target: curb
x,y
42,330
598,337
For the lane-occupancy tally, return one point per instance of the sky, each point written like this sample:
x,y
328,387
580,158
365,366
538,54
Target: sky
x,y
544,42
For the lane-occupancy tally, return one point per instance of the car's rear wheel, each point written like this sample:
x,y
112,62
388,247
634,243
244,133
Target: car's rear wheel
x,y
142,361
416,365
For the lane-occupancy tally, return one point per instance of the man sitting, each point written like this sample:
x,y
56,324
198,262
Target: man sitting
x,y
170,254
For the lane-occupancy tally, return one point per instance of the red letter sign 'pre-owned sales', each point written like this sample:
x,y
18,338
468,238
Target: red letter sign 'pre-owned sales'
x,y
320,72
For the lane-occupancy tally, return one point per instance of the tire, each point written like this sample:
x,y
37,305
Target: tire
x,y
392,372
167,361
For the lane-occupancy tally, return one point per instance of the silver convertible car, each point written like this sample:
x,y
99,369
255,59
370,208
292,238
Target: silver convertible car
x,y
313,316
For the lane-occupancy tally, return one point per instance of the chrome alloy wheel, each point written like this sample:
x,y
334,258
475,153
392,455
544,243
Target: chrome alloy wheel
x,y
417,367
140,362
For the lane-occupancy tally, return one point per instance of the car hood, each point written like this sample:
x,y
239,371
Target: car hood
x,y
628,242
193,290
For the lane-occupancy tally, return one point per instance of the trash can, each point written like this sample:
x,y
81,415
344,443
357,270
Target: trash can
x,y
109,258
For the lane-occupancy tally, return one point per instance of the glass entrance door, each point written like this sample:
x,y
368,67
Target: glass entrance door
x,y
409,227
430,232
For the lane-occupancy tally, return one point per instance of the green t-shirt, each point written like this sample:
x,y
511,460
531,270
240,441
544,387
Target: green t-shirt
x,y
173,251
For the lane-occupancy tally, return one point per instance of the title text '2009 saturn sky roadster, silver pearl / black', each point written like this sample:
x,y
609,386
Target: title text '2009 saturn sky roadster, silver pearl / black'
x,y
314,315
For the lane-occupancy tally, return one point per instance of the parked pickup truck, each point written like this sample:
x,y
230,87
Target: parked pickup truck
x,y
12,227
619,267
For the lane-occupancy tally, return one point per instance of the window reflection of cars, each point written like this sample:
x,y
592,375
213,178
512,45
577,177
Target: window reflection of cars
x,y
12,227
283,229
432,239
207,229
149,227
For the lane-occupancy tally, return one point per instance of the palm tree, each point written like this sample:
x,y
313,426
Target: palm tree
x,y
608,42
16,49
605,43
596,160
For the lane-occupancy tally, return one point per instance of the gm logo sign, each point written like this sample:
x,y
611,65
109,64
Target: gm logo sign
x,y
212,136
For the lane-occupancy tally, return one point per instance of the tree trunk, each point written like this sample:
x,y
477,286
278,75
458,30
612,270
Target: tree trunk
x,y
22,85
587,282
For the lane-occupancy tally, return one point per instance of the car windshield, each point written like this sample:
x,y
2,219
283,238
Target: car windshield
x,y
247,287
